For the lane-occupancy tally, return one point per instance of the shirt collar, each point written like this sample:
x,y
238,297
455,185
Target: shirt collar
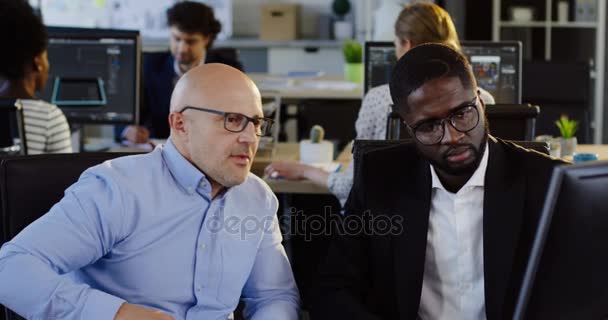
x,y
185,173
476,180
178,71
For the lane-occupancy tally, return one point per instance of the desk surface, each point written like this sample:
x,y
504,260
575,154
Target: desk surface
x,y
324,87
600,149
288,151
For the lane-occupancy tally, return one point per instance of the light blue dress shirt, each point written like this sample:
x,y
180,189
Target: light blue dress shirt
x,y
144,229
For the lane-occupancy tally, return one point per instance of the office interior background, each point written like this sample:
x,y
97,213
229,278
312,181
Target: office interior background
x,y
562,70
553,48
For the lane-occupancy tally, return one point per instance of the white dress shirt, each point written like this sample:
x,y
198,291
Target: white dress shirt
x,y
453,283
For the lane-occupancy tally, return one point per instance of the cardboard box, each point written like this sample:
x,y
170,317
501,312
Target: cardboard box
x,y
279,21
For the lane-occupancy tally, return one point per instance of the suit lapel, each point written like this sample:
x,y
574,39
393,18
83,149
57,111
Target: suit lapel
x,y
413,203
502,217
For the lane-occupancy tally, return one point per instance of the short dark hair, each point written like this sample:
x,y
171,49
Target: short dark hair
x,y
23,37
424,63
191,17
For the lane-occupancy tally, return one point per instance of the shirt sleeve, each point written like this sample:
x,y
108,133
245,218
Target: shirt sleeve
x,y
340,183
58,133
270,291
76,232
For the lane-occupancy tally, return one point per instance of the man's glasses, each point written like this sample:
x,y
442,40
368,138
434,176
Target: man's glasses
x,y
237,122
463,119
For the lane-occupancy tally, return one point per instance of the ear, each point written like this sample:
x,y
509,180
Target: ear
x,y
38,63
483,104
177,123
406,44
206,40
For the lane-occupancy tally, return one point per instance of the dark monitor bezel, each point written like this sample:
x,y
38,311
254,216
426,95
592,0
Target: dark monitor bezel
x,y
90,33
464,43
577,171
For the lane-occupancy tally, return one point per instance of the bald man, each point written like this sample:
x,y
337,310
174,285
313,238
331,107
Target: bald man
x,y
183,232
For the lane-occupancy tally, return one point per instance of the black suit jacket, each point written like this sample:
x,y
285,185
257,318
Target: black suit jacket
x,y
158,82
380,276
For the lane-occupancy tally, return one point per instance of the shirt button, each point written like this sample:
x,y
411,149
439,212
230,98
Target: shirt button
x,y
202,246
198,289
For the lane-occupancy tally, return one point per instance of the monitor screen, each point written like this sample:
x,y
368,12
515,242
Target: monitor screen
x,y
78,92
379,61
94,75
566,275
496,66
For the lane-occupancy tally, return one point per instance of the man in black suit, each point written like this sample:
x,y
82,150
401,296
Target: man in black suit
x,y
193,29
467,204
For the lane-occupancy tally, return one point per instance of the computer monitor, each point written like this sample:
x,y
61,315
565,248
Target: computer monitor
x,y
95,74
496,66
567,273
379,62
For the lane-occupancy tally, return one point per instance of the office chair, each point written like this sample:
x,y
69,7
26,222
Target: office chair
x,y
513,121
543,85
225,55
12,126
506,121
363,146
31,185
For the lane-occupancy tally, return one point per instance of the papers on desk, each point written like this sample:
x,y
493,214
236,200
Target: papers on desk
x,y
142,146
305,74
275,83
335,85
289,83
328,167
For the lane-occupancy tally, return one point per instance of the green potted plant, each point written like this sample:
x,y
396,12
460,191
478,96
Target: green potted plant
x,y
353,58
567,129
342,29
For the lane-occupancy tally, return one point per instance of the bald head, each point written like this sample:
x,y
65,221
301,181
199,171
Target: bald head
x,y
212,85
217,93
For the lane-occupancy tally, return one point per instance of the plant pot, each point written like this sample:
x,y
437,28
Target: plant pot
x,y
353,72
343,30
321,152
568,146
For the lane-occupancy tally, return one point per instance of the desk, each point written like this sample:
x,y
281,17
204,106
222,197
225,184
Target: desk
x,y
600,149
283,151
291,152
295,89
313,101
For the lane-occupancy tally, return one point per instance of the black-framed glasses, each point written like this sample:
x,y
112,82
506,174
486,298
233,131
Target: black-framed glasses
x,y
237,122
464,119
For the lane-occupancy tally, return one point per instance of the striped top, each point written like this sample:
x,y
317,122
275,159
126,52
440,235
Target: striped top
x,y
46,128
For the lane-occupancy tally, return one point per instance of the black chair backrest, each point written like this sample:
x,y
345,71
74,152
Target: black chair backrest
x,y
559,88
513,121
507,121
225,55
31,185
363,146
11,124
